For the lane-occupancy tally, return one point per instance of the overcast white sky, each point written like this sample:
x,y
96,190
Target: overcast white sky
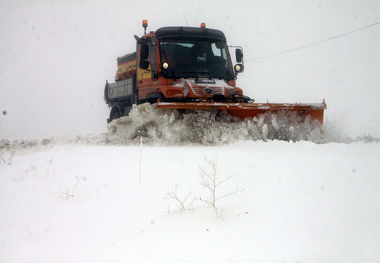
x,y
56,56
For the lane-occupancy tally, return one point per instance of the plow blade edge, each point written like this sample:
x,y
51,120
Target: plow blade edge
x,y
250,110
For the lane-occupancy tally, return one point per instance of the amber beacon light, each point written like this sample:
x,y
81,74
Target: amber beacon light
x,y
203,25
145,25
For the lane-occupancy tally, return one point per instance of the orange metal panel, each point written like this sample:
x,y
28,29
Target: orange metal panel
x,y
250,110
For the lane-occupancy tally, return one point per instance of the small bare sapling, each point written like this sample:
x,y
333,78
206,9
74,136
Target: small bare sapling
x,y
6,157
211,182
69,193
181,202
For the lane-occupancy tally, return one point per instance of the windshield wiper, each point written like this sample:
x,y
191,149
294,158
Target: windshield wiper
x,y
209,74
226,76
199,74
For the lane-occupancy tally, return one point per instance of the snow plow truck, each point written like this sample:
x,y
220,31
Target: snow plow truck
x,y
189,68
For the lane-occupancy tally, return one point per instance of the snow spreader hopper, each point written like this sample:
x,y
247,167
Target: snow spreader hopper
x,y
190,68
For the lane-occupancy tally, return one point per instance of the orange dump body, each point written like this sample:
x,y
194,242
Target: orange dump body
x,y
251,110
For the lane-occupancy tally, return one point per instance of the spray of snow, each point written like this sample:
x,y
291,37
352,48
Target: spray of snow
x,y
168,127
208,127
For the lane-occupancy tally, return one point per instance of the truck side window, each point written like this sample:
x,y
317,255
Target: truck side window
x,y
144,55
152,52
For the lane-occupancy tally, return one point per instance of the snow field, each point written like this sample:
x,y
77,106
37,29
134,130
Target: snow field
x,y
301,202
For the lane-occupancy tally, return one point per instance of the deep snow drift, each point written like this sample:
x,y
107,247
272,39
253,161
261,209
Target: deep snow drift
x,y
293,202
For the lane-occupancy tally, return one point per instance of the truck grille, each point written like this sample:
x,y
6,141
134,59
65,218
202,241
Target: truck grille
x,y
201,91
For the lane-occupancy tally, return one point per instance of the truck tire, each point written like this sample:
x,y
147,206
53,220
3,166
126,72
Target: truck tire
x,y
114,114
127,110
154,97
135,99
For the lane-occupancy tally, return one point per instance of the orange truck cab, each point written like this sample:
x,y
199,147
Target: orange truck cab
x,y
176,64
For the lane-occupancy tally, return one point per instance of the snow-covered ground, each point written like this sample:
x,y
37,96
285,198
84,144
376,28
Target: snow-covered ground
x,y
289,202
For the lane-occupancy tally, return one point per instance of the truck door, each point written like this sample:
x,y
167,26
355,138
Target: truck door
x,y
146,71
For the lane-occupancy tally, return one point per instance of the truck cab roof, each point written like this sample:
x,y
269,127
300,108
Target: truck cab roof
x,y
189,32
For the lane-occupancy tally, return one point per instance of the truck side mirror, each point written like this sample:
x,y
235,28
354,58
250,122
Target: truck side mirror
x,y
144,55
138,40
144,64
144,52
239,55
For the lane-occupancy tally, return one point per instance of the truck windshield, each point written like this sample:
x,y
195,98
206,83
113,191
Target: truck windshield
x,y
196,59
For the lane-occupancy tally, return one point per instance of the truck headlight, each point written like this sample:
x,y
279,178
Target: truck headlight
x,y
238,67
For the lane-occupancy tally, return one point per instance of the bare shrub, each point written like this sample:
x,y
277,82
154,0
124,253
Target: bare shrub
x,y
180,201
210,181
68,193
6,157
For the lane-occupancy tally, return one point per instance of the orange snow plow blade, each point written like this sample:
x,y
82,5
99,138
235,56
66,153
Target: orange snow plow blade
x,y
251,110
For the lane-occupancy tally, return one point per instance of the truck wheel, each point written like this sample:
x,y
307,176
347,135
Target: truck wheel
x,y
114,114
154,96
134,100
127,110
